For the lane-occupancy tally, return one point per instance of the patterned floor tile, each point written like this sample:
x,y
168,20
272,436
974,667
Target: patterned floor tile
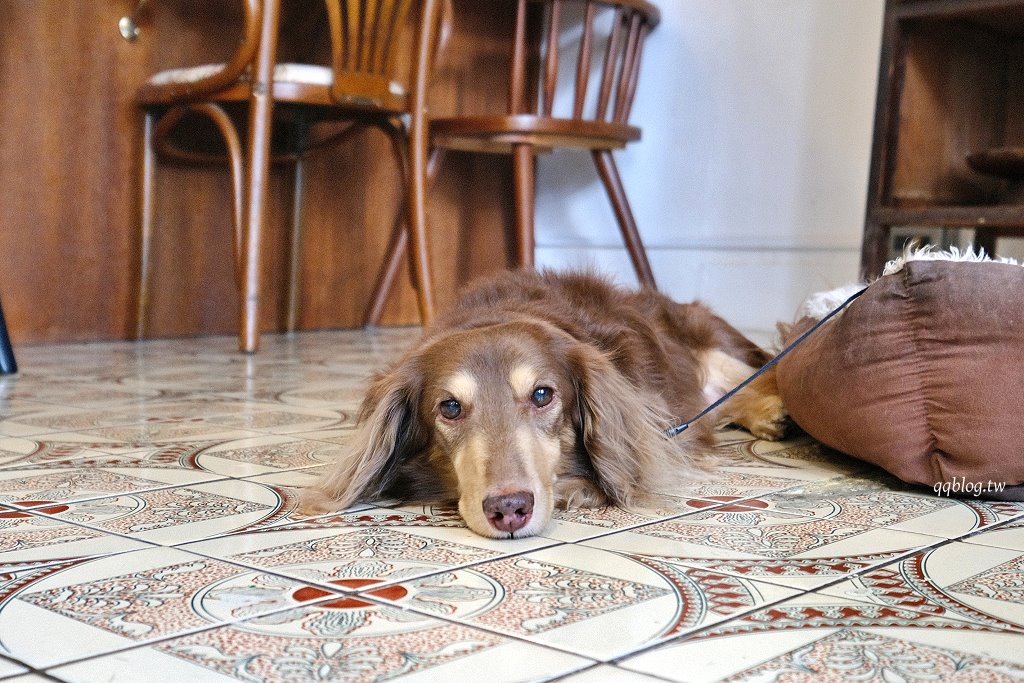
x,y
47,420
1009,535
798,458
210,412
579,524
287,487
743,469
280,419
587,601
37,488
344,641
753,539
14,407
221,457
817,637
383,515
39,452
339,435
85,392
981,585
147,523
332,553
880,500
152,434
263,455
345,391
178,515
30,538
110,603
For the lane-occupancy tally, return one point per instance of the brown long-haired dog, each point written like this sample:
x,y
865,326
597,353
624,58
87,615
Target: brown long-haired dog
x,y
539,390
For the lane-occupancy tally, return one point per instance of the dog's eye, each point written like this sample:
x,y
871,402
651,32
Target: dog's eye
x,y
450,409
542,396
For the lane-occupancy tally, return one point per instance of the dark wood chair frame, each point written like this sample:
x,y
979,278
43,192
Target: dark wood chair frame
x,y
363,55
531,125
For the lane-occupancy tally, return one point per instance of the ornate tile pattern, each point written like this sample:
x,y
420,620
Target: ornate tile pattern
x,y
147,494
956,581
862,655
1004,582
305,654
882,501
753,539
820,637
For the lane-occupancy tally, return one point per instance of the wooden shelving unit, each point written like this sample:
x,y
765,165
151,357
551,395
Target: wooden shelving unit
x,y
951,85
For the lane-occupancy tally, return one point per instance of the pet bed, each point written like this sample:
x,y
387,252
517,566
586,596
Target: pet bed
x,y
922,375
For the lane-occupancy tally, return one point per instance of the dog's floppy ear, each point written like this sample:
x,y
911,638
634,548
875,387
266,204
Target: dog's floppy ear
x,y
624,432
387,432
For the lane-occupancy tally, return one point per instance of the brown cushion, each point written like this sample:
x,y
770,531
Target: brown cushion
x,y
923,375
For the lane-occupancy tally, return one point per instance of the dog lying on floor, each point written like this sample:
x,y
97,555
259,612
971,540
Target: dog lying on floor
x,y
548,389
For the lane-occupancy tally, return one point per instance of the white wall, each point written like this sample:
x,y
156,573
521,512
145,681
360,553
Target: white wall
x,y
749,184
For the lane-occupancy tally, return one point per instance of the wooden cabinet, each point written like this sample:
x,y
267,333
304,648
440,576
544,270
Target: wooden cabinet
x,y
949,125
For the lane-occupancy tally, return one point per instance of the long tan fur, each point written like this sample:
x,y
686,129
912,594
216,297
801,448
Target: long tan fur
x,y
542,390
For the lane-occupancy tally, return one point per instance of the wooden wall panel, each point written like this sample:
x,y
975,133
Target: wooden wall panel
x,y
66,168
69,156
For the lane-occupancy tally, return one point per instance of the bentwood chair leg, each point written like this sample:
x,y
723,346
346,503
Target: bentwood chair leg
x,y
261,104
419,163
609,173
398,241
8,366
420,262
295,249
418,166
398,250
524,189
146,228
236,167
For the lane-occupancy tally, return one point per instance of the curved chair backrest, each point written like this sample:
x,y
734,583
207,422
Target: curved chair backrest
x,y
593,115
224,75
365,37
605,76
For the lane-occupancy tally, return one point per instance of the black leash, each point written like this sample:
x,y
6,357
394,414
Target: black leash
x,y
680,428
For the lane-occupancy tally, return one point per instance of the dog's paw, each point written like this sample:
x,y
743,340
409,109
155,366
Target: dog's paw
x,y
313,503
768,420
578,492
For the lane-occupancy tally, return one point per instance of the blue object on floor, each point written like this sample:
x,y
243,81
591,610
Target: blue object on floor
x,y
8,366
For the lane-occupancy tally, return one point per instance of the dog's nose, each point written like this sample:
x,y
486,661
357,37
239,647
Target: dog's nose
x,y
510,512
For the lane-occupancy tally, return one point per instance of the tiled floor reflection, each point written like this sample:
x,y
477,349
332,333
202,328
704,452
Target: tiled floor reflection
x,y
147,534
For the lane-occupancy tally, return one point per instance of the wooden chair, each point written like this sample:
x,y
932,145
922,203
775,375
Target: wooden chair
x,y
595,118
360,87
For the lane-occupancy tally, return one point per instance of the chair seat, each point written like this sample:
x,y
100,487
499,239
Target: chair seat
x,y
308,83
499,133
310,74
